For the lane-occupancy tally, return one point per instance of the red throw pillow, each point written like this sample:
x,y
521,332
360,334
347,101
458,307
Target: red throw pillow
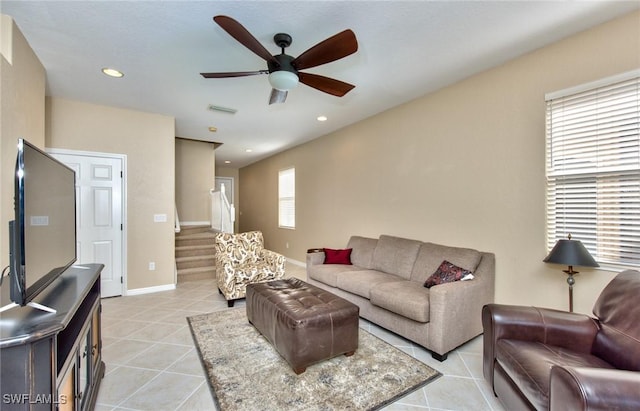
x,y
446,273
332,256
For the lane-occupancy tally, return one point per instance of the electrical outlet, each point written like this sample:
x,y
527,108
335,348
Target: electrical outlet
x,y
152,265
287,245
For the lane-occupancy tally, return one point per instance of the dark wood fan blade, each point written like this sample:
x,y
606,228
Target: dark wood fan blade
x,y
277,96
233,74
331,49
238,32
328,85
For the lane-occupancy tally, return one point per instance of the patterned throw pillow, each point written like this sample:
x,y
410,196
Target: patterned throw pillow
x,y
447,273
332,256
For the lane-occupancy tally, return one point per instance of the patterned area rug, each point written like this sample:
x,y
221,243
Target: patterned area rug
x,y
246,373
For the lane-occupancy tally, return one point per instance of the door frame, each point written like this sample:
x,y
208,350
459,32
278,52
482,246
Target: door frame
x,y
224,180
123,159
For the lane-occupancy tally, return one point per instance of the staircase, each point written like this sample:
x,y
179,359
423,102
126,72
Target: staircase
x,y
195,253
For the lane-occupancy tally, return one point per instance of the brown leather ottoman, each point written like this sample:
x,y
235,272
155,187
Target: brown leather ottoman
x,y
304,323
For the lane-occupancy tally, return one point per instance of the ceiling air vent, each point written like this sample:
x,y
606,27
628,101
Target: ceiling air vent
x,y
222,109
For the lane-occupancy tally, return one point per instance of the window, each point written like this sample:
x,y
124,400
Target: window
x,y
287,198
593,168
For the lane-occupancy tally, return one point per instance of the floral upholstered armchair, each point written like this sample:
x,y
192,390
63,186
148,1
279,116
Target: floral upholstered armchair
x,y
241,259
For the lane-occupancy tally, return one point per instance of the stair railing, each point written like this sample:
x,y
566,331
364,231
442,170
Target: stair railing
x,y
223,213
177,220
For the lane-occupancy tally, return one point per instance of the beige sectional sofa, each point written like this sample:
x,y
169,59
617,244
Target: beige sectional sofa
x,y
386,281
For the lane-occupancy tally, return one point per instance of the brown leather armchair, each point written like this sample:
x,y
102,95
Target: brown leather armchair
x,y
543,359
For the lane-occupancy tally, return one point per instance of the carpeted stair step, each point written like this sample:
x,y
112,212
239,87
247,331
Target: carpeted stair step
x,y
195,250
194,239
195,261
199,273
194,229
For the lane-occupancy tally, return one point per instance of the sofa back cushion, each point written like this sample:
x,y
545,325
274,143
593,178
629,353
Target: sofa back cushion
x,y
395,255
362,250
242,247
618,341
432,255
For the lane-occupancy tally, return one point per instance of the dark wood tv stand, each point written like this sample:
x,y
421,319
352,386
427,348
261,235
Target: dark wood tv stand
x,y
54,361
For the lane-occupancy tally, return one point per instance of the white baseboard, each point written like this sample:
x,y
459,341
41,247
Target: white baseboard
x,y
149,290
296,262
188,223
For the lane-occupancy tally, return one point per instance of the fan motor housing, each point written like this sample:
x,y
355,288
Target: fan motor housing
x,y
283,63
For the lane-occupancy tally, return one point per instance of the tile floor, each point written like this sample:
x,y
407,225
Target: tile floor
x,y
152,364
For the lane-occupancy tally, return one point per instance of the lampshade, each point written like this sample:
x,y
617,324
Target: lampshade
x,y
283,80
570,252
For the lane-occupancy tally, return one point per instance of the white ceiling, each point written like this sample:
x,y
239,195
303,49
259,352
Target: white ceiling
x,y
406,49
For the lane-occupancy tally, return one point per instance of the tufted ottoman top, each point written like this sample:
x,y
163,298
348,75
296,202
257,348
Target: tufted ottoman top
x,y
300,300
303,322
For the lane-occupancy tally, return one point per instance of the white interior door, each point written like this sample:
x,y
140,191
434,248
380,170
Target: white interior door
x,y
99,215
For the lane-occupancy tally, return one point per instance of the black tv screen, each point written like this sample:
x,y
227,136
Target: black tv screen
x,y
44,230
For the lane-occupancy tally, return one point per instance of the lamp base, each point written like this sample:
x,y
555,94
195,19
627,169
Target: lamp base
x,y
571,281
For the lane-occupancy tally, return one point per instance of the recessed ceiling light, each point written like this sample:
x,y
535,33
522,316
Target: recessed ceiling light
x,y
322,118
213,129
248,150
112,72
227,161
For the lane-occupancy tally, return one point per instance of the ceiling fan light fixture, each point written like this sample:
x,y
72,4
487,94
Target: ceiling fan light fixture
x,y
283,80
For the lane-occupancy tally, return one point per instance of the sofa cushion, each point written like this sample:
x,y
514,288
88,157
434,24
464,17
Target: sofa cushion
x,y
432,255
329,273
249,272
241,247
395,255
529,364
405,298
362,250
332,256
361,282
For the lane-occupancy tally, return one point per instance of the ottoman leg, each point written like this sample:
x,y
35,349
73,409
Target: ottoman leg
x,y
349,354
299,370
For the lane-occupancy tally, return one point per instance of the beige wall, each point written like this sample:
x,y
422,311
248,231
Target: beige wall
x,y
195,176
22,89
148,142
235,174
463,166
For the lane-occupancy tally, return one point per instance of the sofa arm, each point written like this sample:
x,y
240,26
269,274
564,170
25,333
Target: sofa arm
x,y
315,256
593,389
224,273
275,261
454,308
558,328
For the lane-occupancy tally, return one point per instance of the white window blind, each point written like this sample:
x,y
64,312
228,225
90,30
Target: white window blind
x,y
593,169
287,198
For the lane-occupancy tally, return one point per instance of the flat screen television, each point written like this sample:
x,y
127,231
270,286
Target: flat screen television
x,y
43,234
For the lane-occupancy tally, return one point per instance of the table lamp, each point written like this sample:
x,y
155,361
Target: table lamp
x,y
570,252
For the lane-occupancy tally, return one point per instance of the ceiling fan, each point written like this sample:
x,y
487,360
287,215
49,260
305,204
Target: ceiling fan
x,y
284,70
